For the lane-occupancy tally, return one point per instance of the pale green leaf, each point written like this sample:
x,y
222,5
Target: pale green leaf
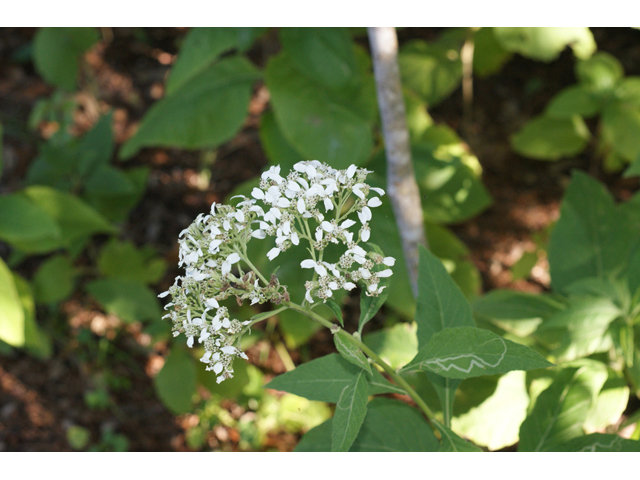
x,y
599,73
350,351
488,54
621,128
36,342
350,412
12,318
548,138
465,352
573,100
546,43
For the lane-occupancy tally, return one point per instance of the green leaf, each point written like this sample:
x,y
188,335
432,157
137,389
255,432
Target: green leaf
x,y
581,328
201,47
397,345
593,236
518,313
75,218
432,71
369,305
573,100
123,260
488,55
350,351
108,181
441,304
1,149
451,442
36,342
128,299
548,138
26,226
546,43
176,383
316,122
599,73
350,412
54,280
205,112
634,169
560,411
324,54
117,207
495,422
275,146
597,442
56,51
389,426
621,128
335,308
12,318
465,352
610,404
97,146
628,91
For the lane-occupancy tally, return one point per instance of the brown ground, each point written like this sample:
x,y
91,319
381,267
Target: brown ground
x,y
39,400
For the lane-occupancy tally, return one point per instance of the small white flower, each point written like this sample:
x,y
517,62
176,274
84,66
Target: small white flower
x,y
374,202
273,253
364,215
385,273
389,261
319,268
231,259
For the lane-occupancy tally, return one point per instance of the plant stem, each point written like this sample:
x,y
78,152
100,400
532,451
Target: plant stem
x,y
374,356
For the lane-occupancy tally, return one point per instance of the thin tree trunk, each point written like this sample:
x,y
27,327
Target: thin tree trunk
x,y
401,182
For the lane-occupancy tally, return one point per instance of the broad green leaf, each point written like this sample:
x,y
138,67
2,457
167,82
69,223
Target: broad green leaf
x,y
176,382
465,352
452,442
397,345
76,219
560,411
119,259
26,226
205,112
597,442
418,119
441,304
117,207
324,54
316,122
335,308
296,330
599,73
97,146
432,71
621,128
573,100
628,91
200,48
496,421
350,412
634,169
390,426
56,51
350,352
369,305
54,280
581,328
128,299
610,404
546,43
488,54
12,318
36,342
515,312
593,236
107,181
324,378
548,138
275,146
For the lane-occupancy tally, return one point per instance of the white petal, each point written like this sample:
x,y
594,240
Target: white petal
x,y
385,273
349,286
217,368
320,270
301,206
307,296
365,235
294,238
229,350
356,190
347,224
379,191
260,234
163,294
283,202
389,261
308,263
273,253
328,205
233,258
374,202
327,227
190,342
351,171
212,303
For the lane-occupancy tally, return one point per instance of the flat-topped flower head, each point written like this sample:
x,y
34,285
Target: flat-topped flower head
x,y
313,206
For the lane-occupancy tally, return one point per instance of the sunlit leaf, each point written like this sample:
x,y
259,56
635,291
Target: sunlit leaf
x,y
546,43
573,100
488,54
12,318
600,73
350,412
549,138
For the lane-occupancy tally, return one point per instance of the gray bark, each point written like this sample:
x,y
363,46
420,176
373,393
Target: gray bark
x,y
401,182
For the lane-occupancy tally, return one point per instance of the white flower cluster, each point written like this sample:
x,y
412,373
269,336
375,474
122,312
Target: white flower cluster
x,y
311,205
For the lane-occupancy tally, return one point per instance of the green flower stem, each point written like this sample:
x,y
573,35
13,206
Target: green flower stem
x,y
246,260
371,354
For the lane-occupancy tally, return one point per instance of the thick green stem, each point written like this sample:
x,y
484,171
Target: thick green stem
x,y
371,354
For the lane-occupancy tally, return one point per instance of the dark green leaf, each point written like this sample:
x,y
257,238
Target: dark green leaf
x,y
123,260
56,51
276,147
592,237
597,442
54,279
465,352
451,442
107,181
548,138
324,54
441,304
335,308
369,305
350,351
488,55
128,299
350,412
27,226
117,207
96,146
176,382
205,112
316,122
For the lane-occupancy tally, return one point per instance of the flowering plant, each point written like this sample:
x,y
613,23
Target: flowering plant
x,y
311,206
